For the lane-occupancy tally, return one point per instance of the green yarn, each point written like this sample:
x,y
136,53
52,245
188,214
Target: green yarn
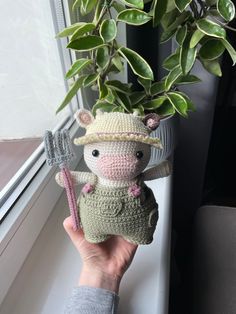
x,y
112,211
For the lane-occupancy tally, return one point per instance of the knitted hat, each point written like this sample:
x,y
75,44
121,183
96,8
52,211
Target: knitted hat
x,y
117,126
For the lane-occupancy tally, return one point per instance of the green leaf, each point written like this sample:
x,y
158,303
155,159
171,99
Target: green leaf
x,y
189,102
154,103
179,103
76,4
118,86
90,79
124,101
118,109
136,97
139,4
133,17
139,110
170,6
108,30
145,83
118,7
102,105
187,56
71,93
171,62
214,12
166,35
169,18
211,49
182,4
166,109
77,66
187,79
157,88
86,43
87,6
110,97
172,77
103,90
181,34
230,49
180,20
212,66
159,9
139,66
210,28
103,57
226,9
116,60
196,37
81,30
69,30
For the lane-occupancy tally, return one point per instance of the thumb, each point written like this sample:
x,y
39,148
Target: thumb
x,y
77,237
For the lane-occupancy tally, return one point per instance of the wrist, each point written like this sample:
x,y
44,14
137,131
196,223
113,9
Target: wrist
x,y
96,278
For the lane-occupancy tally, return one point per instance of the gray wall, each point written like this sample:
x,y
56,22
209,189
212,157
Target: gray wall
x,y
192,149
193,141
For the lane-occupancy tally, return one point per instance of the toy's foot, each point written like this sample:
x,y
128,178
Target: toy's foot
x,y
138,242
96,239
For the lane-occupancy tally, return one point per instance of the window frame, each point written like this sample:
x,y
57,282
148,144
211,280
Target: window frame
x,y
20,229
13,189
29,198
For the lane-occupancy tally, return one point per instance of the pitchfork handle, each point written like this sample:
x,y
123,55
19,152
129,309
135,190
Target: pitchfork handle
x,y
70,192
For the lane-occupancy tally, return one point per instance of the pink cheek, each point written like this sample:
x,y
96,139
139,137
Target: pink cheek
x,y
117,167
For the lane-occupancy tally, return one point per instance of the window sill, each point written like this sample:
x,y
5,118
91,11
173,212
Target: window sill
x,y
53,266
23,224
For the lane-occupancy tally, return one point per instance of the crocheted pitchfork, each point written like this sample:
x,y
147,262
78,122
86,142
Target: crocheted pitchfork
x,y
59,151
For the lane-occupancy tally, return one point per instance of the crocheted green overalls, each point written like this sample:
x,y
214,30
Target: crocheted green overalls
x,y
113,211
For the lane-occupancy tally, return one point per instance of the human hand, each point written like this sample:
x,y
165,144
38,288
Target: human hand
x,y
104,264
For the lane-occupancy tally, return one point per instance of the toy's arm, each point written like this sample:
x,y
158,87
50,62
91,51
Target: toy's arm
x,y
160,171
77,178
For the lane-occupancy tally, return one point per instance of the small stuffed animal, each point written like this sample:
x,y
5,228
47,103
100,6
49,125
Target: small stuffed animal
x,y
115,200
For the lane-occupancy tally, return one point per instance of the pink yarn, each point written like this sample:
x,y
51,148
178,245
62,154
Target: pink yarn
x,y
70,192
117,166
87,188
135,190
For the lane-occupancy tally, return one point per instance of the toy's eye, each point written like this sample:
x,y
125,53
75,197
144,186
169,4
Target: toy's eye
x,y
139,154
95,153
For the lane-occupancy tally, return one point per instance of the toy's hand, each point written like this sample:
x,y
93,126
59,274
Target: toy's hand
x,y
77,177
104,264
60,179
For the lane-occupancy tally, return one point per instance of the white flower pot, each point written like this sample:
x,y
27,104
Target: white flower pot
x,y
168,134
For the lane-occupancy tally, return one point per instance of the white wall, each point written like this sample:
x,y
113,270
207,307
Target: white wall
x,y
31,78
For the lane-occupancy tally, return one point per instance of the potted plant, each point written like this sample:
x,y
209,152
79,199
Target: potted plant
x,y
198,27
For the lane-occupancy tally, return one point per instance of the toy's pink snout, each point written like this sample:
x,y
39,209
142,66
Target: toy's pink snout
x,y
118,166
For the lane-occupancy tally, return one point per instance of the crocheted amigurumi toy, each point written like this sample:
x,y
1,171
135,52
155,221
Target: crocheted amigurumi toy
x,y
115,200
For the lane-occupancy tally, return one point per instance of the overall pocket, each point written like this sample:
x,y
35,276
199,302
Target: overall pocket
x,y
111,207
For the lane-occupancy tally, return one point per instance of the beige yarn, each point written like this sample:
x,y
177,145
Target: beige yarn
x,y
117,126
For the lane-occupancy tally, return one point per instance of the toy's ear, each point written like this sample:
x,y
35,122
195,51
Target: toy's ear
x,y
84,117
152,121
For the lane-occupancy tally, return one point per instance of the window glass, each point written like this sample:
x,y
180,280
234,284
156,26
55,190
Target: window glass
x,y
31,81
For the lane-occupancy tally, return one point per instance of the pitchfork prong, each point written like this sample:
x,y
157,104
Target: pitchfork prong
x,y
68,144
58,148
49,147
58,140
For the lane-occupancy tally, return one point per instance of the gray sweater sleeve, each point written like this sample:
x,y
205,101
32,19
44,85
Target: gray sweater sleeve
x,y
88,300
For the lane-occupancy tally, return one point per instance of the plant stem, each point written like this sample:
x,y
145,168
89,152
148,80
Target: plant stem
x,y
223,24
194,9
203,7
